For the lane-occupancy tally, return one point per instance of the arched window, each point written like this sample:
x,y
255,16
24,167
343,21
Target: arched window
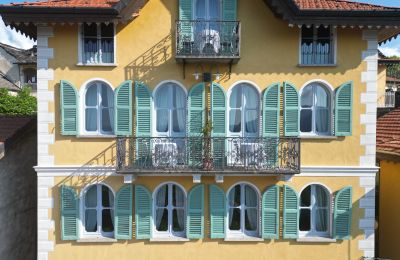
x,y
244,111
98,211
314,211
170,108
169,209
243,216
99,109
315,115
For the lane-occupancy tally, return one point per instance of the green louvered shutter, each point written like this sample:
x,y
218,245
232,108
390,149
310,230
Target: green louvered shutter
x,y
291,110
342,214
143,123
123,213
344,109
143,215
270,213
69,205
290,213
217,212
196,121
195,213
69,108
123,109
185,17
218,118
271,105
229,10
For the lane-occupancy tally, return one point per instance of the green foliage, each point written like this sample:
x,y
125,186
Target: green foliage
x,y
23,104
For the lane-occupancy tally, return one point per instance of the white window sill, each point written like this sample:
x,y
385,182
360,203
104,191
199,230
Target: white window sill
x,y
97,65
326,137
97,240
316,65
96,136
169,239
243,239
316,240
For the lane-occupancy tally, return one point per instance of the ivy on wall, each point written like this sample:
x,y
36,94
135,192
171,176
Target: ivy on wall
x,y
22,104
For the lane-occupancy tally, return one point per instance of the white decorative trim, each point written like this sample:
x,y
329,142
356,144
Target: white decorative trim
x,y
367,202
129,178
196,178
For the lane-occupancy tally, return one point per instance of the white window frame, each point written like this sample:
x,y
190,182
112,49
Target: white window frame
x,y
331,99
312,232
99,207
242,233
83,90
81,62
169,234
334,49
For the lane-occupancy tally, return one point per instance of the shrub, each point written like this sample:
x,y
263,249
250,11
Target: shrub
x,y
23,104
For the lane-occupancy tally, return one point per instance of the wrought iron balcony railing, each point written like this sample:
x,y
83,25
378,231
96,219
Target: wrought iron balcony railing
x,y
208,40
208,155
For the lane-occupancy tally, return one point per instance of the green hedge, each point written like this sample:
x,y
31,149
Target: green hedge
x,y
22,104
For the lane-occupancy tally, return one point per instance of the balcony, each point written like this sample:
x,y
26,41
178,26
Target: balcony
x,y
200,155
208,41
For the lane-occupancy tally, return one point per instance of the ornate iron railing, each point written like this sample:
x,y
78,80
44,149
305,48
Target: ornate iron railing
x,y
207,155
207,39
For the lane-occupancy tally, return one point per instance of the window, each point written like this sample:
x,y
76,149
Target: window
x,y
98,43
243,211
244,111
314,211
315,112
207,10
29,75
169,210
99,109
317,45
98,210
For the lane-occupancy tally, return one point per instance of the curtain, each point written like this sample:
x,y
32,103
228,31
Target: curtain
x,y
91,213
90,50
107,50
235,115
179,202
161,201
251,106
231,203
251,205
91,110
111,200
180,105
107,96
163,104
322,110
321,213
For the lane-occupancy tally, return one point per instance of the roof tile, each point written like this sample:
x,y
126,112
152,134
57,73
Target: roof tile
x,y
388,132
70,3
338,5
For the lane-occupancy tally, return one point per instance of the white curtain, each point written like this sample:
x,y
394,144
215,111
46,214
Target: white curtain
x,y
235,115
322,110
321,221
107,50
251,201
180,105
90,50
163,104
251,107
180,202
161,201
91,110
231,203
108,113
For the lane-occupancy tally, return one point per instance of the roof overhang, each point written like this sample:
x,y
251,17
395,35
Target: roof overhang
x,y
387,156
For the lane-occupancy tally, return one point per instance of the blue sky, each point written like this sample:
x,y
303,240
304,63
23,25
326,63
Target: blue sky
x,y
11,37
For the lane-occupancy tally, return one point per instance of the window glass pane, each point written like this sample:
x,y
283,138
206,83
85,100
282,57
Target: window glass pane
x,y
90,50
250,96
90,30
321,97
234,196
107,197
323,32
321,220
178,120
200,9
305,199
251,118
251,219
107,30
234,219
305,120
321,196
107,219
91,95
178,220
307,97
235,100
178,197
322,120
107,50
235,121
91,119
215,10
305,224
91,220
162,120
91,197
107,122
162,219
162,196
163,97
179,97
107,96
250,196
307,32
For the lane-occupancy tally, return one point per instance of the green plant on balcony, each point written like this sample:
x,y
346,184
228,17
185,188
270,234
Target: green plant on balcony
x,y
207,159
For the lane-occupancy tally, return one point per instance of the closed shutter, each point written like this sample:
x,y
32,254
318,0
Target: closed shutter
x,y
270,213
217,212
195,214
69,108
229,10
69,213
123,109
123,213
143,124
342,214
218,118
196,121
290,213
344,109
291,110
143,212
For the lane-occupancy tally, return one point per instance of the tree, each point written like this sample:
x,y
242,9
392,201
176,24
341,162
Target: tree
x,y
23,104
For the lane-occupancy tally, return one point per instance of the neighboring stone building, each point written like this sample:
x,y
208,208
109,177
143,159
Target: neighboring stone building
x,y
17,68
18,194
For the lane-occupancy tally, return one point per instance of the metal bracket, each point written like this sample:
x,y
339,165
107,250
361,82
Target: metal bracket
x,y
196,178
219,178
129,178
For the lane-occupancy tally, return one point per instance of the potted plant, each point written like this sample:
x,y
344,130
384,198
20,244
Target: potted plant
x,y
207,159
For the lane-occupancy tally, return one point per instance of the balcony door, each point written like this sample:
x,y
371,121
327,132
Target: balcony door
x,y
207,10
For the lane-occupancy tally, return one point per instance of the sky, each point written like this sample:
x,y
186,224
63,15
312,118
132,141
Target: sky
x,y
13,38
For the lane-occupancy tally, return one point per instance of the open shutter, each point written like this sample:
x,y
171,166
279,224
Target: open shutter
x,y
69,213
185,17
123,213
290,213
271,106
69,108
217,212
342,214
143,212
123,109
344,109
229,10
218,118
291,110
196,121
143,123
270,213
195,214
